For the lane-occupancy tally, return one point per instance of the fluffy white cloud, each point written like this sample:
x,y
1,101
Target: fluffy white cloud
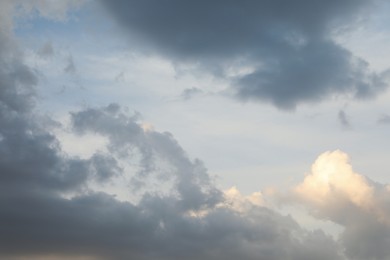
x,y
332,185
333,191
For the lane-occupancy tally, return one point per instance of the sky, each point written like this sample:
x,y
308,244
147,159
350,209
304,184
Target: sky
x,y
194,129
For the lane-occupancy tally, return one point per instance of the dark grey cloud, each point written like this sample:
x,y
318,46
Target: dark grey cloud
x,y
125,135
372,236
36,220
288,44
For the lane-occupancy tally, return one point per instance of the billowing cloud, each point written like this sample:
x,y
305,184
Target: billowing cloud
x,y
38,220
286,48
333,191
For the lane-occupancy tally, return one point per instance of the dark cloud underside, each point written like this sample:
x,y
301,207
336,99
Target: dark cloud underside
x,y
288,44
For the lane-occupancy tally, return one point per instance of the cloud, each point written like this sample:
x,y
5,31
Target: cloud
x,y
55,10
70,66
343,119
189,93
288,46
192,182
120,77
384,119
241,203
38,220
49,207
46,51
48,9
333,191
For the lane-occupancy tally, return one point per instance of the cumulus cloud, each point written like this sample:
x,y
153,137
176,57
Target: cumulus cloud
x,y
288,46
241,203
333,191
39,221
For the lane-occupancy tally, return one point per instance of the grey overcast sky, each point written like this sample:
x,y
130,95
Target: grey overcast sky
x,y
171,129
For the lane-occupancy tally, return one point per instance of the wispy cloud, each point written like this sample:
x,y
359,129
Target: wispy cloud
x,y
70,65
46,50
343,119
384,119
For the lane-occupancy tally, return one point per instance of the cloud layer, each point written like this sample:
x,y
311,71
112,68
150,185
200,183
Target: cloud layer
x,y
50,208
279,51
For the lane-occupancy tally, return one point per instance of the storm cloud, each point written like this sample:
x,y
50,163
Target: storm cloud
x,y
280,52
